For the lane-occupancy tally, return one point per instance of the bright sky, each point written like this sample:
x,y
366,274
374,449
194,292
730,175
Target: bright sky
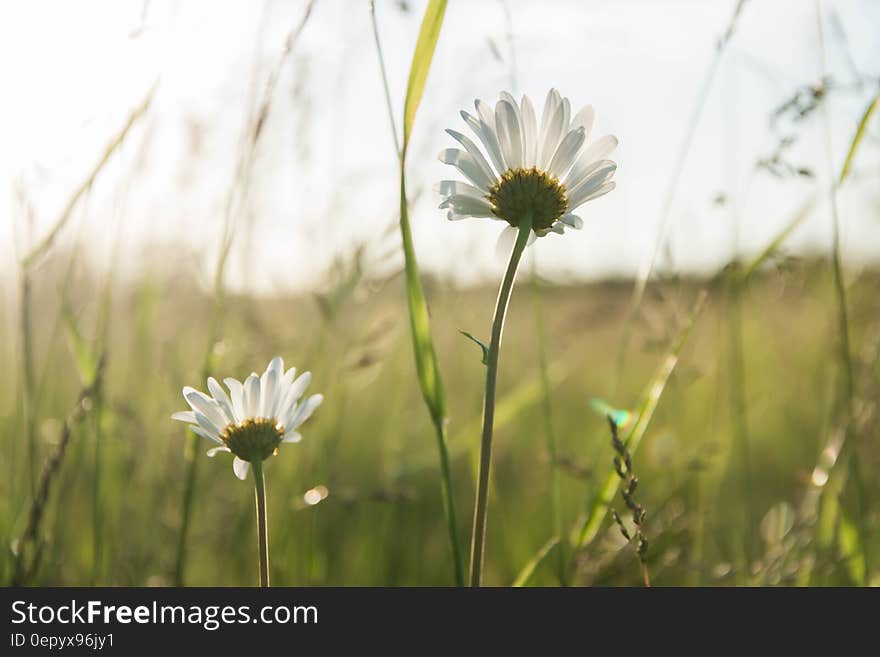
x,y
325,178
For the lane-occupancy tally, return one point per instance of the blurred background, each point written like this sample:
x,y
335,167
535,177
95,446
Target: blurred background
x,y
195,187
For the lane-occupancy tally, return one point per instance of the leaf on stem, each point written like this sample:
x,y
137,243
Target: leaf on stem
x,y
482,345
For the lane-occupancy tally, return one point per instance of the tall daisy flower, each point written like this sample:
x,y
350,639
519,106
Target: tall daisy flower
x,y
250,422
532,176
546,170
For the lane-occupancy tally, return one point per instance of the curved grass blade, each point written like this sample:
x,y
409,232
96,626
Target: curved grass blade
x,y
525,575
420,324
421,64
857,138
773,247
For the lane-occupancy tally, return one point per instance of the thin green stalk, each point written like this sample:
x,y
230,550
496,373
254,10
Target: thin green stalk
x,y
449,503
478,538
427,367
97,505
379,52
555,491
262,522
738,410
189,494
845,352
28,389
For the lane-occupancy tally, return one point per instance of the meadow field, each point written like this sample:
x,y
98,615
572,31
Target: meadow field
x,y
714,514
688,390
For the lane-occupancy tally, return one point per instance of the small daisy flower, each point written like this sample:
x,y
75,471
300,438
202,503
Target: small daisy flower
x,y
546,170
255,417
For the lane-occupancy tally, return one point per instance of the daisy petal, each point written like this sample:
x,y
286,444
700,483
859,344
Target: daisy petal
x,y
566,116
515,105
567,151
222,399
199,431
185,416
509,134
451,187
236,392
252,396
292,437
474,152
584,119
530,132
294,392
216,450
453,215
593,153
552,136
596,193
208,426
466,164
240,468
483,127
302,413
469,205
550,105
268,387
506,240
205,405
572,220
288,377
598,177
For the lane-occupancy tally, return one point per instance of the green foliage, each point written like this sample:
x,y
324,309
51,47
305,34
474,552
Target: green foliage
x,y
420,323
421,64
381,523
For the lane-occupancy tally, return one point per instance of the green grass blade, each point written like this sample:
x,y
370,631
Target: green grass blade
x,y
525,575
850,539
773,247
420,323
650,400
421,64
857,138
86,361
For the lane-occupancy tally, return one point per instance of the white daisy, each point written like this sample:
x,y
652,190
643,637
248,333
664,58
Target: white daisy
x,y
547,170
254,417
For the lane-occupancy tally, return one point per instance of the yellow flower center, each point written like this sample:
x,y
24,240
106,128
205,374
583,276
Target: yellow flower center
x,y
255,439
522,191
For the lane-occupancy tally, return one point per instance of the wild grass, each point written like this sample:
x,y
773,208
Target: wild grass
x,y
382,521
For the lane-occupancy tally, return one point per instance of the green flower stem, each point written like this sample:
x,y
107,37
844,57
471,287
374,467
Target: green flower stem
x,y
478,538
262,531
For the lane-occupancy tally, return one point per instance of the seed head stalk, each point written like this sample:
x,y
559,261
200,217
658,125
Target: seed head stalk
x,y
478,538
262,522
